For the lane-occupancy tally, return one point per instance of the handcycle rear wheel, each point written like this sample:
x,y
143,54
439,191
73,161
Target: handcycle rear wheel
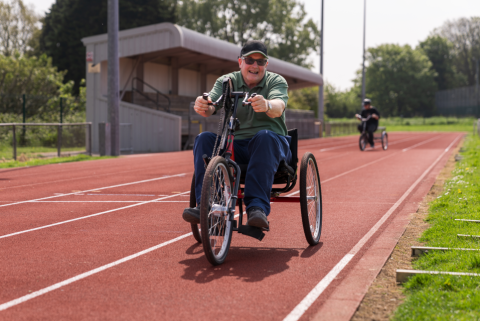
x,y
310,199
216,228
362,142
193,203
384,140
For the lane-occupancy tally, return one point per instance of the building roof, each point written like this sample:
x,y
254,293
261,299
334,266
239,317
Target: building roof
x,y
164,40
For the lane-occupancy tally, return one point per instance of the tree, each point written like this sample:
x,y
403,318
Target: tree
x,y
68,21
18,24
339,104
400,80
279,23
305,98
464,34
39,80
440,52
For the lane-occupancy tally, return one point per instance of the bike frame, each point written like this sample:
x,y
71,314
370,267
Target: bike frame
x,y
237,193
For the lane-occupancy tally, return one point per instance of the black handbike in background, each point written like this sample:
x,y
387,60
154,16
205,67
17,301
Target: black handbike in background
x,y
363,140
223,186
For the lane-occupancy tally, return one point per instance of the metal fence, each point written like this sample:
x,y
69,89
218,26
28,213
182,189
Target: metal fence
x,y
338,129
39,139
464,101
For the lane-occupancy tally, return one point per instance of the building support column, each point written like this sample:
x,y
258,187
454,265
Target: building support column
x,y
174,64
139,73
203,78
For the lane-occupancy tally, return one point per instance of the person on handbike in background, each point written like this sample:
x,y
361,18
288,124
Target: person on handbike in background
x,y
261,142
372,123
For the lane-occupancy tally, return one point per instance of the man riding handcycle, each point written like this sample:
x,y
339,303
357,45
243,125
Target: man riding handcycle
x,y
369,117
253,148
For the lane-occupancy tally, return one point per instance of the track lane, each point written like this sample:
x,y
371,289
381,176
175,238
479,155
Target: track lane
x,y
137,187
287,226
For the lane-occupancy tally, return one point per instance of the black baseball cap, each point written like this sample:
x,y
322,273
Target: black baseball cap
x,y
367,101
254,46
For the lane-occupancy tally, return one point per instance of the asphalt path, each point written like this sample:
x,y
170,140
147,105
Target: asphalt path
x,y
105,239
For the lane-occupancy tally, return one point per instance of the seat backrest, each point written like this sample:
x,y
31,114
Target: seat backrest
x,y
294,147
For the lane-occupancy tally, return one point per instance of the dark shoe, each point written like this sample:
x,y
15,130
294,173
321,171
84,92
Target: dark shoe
x,y
257,217
372,145
192,215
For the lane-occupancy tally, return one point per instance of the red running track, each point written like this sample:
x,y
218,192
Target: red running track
x,y
105,239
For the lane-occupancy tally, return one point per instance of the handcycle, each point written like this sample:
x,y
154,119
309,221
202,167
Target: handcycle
x,y
222,186
363,140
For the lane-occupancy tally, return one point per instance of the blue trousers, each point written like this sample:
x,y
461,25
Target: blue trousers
x,y
263,153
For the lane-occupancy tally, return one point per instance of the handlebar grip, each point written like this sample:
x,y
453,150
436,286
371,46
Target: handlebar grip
x,y
253,95
205,96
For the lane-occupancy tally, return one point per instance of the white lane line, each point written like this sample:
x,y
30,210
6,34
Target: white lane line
x,y
350,171
58,285
419,144
356,144
115,201
300,309
88,216
331,275
96,189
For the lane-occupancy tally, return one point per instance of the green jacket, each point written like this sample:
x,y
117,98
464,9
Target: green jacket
x,y
272,86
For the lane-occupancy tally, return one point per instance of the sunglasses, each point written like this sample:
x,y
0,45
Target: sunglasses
x,y
251,61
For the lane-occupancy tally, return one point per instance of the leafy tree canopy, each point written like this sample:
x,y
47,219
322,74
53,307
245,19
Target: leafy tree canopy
x,y
18,24
464,34
400,80
68,21
440,52
43,84
279,23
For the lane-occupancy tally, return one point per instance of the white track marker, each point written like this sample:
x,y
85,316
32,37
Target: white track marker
x,y
113,201
303,306
88,216
424,142
348,172
356,144
58,285
294,315
96,189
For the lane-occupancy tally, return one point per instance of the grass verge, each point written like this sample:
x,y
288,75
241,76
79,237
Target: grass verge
x,y
56,160
442,297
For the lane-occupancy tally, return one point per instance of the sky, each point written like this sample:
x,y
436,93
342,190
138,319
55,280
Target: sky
x,y
388,21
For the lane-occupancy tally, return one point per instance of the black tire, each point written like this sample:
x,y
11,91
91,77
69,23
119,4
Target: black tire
x,y
216,228
362,142
310,199
193,203
384,140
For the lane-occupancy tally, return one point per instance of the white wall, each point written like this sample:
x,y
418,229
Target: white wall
x,y
126,65
157,76
211,81
188,83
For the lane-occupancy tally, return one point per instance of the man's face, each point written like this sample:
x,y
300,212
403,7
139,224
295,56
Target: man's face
x,y
367,106
252,74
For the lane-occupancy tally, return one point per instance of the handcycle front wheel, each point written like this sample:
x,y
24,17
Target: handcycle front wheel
x,y
193,203
362,142
310,199
384,140
216,228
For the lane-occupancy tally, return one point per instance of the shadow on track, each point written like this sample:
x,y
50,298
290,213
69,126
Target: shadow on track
x,y
250,264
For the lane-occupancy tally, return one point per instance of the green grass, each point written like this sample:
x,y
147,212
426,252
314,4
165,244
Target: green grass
x,y
431,124
6,152
442,297
56,160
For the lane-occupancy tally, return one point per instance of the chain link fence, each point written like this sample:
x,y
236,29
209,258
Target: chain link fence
x,y
42,140
464,101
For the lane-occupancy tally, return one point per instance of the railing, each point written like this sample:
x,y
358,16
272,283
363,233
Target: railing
x,y
158,94
60,126
338,129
